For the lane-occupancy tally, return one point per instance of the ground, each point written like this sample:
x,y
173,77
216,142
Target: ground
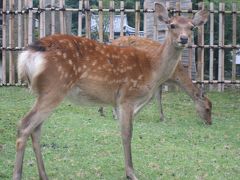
x,y
79,144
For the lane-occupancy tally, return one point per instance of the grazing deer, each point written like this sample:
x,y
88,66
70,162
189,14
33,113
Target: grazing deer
x,y
180,77
85,71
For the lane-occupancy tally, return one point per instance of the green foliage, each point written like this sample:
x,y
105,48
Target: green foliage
x,y
79,144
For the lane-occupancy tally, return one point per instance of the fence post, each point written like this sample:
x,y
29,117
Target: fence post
x,y
221,44
200,50
112,19
137,18
122,17
53,24
25,25
190,50
4,42
11,44
20,29
30,21
80,12
42,18
211,59
62,17
87,19
234,39
100,16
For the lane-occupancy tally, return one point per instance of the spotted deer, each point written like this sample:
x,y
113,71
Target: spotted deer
x,y
180,77
88,72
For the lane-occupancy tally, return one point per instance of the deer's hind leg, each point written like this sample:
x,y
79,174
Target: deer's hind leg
x,y
31,125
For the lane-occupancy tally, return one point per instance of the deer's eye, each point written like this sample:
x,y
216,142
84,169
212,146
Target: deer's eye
x,y
173,26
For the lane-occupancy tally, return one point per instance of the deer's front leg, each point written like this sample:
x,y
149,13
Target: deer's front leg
x,y
159,101
125,116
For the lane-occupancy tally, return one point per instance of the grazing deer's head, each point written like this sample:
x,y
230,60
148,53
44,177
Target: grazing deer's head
x,y
204,108
180,28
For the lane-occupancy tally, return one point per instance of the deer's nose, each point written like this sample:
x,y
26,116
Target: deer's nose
x,y
184,39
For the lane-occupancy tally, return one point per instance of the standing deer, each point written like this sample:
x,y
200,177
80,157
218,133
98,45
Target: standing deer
x,y
85,71
180,77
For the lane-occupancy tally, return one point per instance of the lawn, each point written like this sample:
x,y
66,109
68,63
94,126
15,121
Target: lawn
x,y
79,144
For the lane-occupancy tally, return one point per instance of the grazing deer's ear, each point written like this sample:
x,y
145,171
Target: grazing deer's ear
x,y
162,13
200,18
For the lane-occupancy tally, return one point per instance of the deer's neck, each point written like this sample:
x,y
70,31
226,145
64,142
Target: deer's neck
x,y
166,60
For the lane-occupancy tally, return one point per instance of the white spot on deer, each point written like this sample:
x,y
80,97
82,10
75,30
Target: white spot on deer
x,y
64,55
94,63
84,66
140,77
59,68
59,53
66,75
70,45
129,67
77,54
84,75
70,62
79,69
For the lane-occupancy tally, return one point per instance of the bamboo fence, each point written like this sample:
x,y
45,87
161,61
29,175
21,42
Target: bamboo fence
x,y
18,30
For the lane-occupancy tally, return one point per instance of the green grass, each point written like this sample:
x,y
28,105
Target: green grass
x,y
79,144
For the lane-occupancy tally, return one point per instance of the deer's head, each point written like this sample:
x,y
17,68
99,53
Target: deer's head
x,y
180,28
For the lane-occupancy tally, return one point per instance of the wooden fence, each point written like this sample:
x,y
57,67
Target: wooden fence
x,y
19,29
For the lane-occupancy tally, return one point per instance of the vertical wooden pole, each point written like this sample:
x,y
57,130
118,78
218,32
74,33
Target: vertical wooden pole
x,y
100,15
42,18
53,24
62,17
155,27
122,18
20,29
234,39
87,19
200,67
30,21
221,50
211,43
190,50
11,44
112,18
80,14
137,18
4,43
25,25
145,18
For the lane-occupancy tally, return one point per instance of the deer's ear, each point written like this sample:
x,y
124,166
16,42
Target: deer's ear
x,y
200,18
162,13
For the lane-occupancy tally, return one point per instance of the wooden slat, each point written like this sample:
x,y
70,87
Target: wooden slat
x,y
111,20
30,22
221,43
25,24
80,16
100,15
53,24
234,40
211,59
200,51
122,18
137,18
87,19
62,17
20,29
11,45
4,43
42,19
190,50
